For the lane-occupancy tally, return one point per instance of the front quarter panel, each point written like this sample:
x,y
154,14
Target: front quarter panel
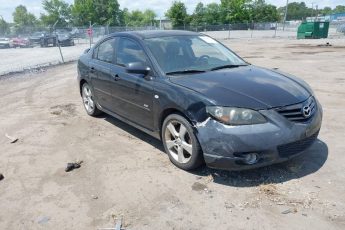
x,y
186,101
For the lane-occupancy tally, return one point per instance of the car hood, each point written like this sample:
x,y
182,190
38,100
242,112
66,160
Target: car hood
x,y
246,86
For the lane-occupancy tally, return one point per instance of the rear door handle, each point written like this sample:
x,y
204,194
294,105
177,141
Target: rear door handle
x,y
116,77
92,69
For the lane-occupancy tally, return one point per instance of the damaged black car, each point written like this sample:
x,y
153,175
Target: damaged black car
x,y
204,102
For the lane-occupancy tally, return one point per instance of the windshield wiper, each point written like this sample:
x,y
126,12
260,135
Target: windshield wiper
x,y
186,71
226,67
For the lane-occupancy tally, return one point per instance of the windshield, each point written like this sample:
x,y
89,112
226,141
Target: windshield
x,y
38,34
191,53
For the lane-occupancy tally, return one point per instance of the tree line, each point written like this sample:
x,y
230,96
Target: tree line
x,y
300,11
59,13
242,11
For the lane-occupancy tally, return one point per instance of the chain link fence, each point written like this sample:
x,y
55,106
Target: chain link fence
x,y
47,46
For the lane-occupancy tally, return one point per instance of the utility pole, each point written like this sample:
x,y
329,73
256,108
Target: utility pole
x,y
57,41
316,15
90,29
286,11
312,10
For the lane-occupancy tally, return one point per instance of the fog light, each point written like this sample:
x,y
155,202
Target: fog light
x,y
251,158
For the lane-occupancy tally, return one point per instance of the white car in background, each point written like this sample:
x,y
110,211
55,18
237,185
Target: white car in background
x,y
341,28
5,43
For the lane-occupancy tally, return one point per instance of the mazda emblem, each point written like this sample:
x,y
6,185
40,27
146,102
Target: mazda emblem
x,y
306,111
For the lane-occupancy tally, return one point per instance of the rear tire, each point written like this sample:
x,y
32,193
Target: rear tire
x,y
180,143
89,100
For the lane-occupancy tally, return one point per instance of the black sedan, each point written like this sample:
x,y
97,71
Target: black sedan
x,y
65,38
44,39
204,102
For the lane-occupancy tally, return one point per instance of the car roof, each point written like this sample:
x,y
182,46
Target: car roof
x,y
143,34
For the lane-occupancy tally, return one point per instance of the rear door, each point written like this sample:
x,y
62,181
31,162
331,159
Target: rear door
x,y
133,92
100,70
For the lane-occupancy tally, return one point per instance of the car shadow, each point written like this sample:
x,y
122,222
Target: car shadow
x,y
307,163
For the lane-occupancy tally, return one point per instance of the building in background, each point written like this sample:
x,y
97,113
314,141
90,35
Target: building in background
x,y
340,17
165,24
337,17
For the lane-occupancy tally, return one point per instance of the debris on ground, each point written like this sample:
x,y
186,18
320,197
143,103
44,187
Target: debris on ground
x,y
268,189
1,176
58,112
72,166
209,179
229,205
327,44
199,186
36,69
12,139
43,219
118,226
286,211
294,210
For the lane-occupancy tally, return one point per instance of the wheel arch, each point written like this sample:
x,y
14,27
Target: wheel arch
x,y
168,111
81,83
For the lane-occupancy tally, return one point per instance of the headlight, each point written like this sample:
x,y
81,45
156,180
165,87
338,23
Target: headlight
x,y
235,116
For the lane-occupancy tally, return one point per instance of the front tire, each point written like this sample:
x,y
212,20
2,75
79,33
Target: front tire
x,y
89,100
180,143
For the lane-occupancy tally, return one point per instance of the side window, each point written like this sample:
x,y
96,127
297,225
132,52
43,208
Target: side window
x,y
129,51
106,51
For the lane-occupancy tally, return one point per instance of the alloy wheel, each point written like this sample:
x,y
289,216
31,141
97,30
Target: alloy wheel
x,y
178,141
88,100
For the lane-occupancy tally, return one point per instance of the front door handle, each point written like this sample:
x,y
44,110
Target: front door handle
x,y
92,69
116,77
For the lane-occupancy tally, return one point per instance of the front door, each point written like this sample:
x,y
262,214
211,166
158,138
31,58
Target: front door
x,y
133,92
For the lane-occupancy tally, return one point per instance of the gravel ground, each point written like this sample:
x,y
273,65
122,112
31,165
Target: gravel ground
x,y
125,173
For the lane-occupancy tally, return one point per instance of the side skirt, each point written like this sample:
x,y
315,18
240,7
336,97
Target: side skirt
x,y
154,134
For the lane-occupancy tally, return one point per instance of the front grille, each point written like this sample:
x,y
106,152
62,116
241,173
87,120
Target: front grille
x,y
296,147
295,112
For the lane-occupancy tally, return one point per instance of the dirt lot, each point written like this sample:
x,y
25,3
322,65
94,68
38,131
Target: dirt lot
x,y
126,173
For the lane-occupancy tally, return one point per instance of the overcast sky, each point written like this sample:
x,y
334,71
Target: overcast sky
x,y
159,6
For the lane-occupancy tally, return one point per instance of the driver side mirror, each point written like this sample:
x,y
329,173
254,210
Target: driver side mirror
x,y
138,68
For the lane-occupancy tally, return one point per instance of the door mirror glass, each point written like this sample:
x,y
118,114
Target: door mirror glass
x,y
138,68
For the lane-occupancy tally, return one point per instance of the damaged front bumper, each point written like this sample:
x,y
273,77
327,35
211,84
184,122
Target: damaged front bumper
x,y
226,147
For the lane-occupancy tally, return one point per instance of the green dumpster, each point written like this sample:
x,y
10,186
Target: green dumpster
x,y
313,30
